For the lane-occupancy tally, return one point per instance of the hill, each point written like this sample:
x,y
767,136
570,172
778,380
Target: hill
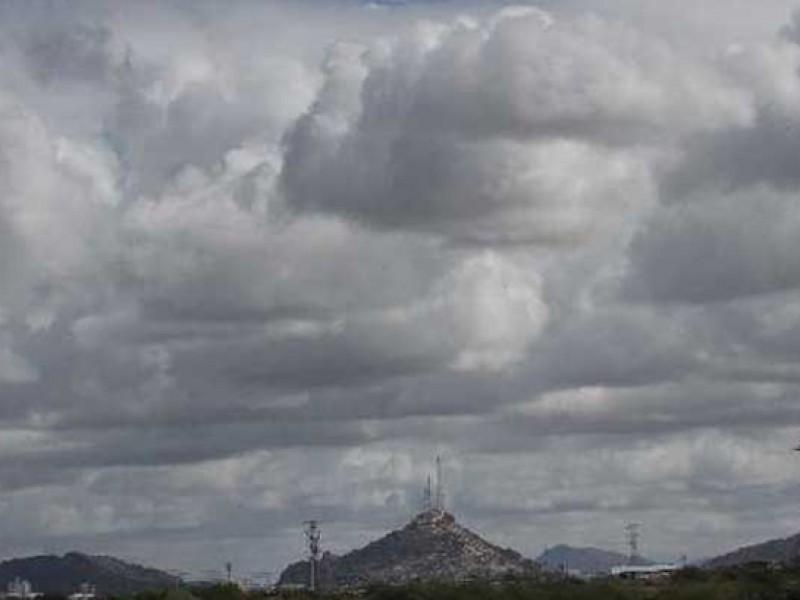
x,y
586,560
64,574
433,546
783,550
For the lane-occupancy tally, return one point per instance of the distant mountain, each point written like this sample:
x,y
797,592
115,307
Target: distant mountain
x,y
64,574
783,550
431,547
591,561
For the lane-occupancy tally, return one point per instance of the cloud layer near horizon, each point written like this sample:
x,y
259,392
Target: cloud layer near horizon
x,y
247,279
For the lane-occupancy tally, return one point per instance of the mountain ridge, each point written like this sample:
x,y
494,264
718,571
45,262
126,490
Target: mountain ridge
x,y
53,574
781,550
432,546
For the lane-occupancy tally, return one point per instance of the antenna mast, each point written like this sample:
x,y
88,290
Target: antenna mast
x,y
439,485
313,536
426,500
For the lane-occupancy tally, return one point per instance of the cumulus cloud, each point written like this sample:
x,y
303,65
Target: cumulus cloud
x,y
497,131
727,216
760,151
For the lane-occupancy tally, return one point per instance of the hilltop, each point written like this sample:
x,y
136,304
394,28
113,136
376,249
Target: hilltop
x,y
64,574
782,550
432,546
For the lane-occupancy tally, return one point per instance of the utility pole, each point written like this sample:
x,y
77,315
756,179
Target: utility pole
x,y
313,536
229,572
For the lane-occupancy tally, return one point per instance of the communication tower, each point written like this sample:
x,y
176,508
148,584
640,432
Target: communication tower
x,y
439,485
427,501
313,536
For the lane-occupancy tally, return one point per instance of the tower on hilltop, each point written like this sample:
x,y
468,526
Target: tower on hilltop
x,y
439,484
313,536
427,501
433,497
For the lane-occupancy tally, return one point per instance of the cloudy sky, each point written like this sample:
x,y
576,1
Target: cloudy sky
x,y
261,261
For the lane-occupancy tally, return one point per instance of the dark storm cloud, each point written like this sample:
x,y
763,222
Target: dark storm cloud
x,y
188,444
616,348
718,247
764,153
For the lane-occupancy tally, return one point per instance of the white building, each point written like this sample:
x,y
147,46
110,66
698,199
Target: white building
x,y
86,591
643,571
20,589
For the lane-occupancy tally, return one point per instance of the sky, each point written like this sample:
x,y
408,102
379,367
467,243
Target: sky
x,y
262,262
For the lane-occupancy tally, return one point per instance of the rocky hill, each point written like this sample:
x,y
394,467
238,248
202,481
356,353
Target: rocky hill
x,y
433,546
64,574
784,550
592,561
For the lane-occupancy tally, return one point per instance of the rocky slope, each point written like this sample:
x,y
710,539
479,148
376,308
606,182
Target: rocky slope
x,y
591,561
433,546
785,550
64,574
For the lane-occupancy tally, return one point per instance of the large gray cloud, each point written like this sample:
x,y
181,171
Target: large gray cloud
x,y
487,132
727,224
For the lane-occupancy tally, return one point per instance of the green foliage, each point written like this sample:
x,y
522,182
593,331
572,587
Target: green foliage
x,y
692,574
513,590
745,582
756,581
219,591
177,593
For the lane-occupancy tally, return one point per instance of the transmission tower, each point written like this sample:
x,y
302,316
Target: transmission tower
x,y
313,536
426,499
229,571
633,533
439,485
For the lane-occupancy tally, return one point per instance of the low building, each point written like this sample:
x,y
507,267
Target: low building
x,y
643,571
86,591
20,589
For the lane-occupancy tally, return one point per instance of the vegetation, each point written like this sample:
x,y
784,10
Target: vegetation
x,y
743,583
756,581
